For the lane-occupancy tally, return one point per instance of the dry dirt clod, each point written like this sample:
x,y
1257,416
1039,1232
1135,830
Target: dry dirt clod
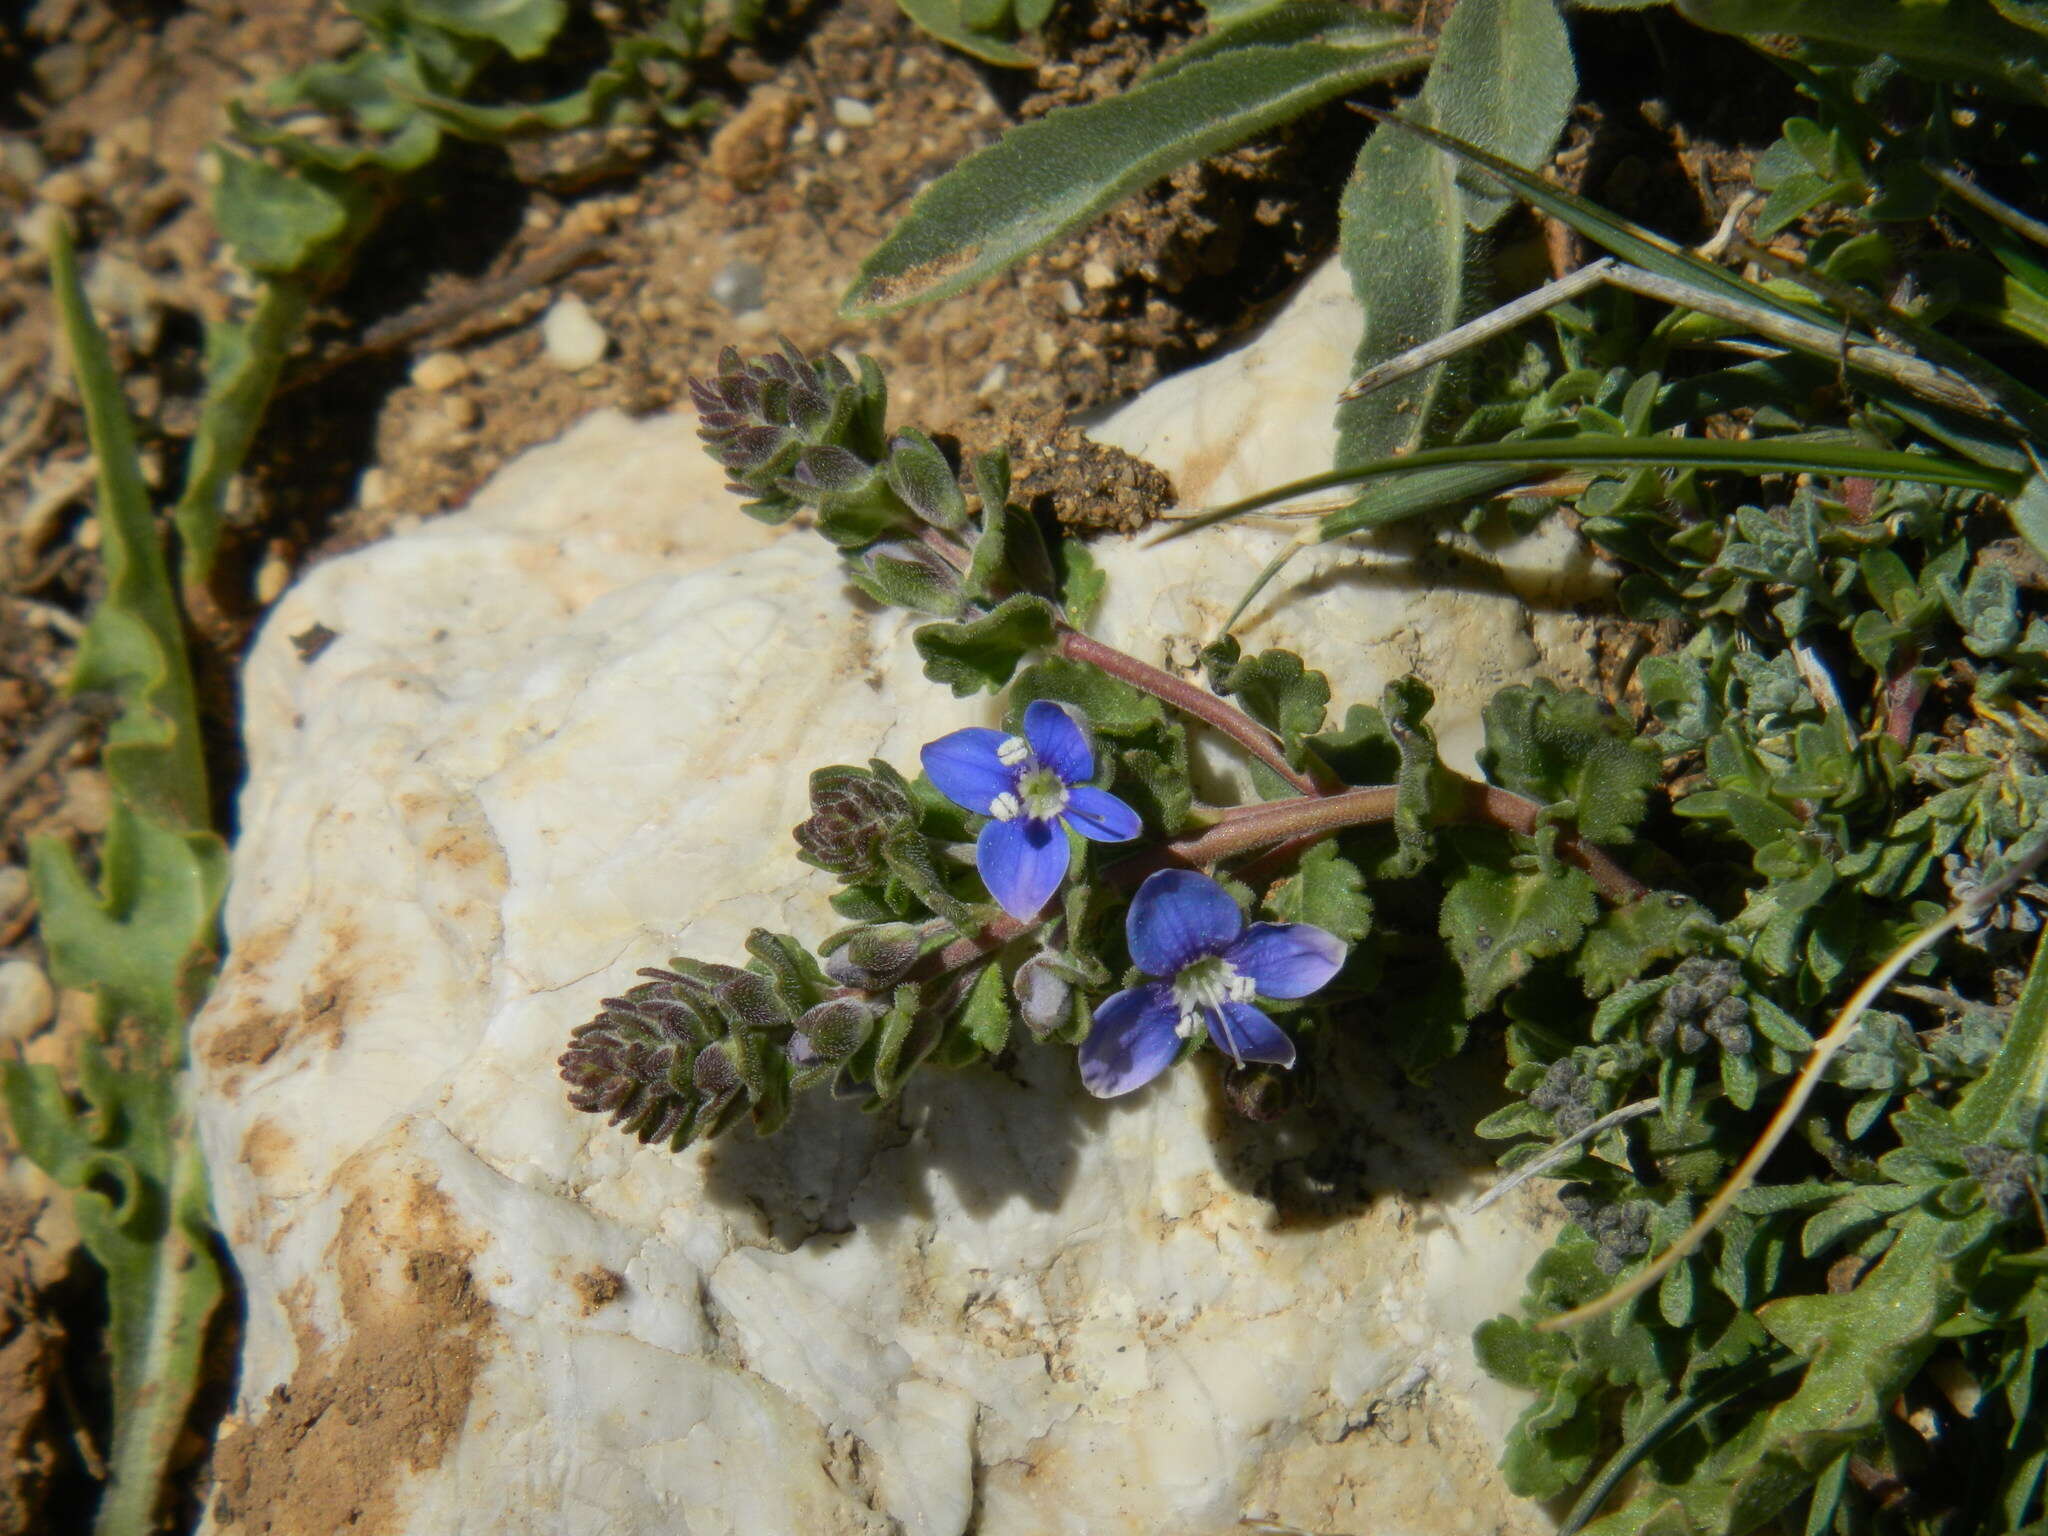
x,y
747,151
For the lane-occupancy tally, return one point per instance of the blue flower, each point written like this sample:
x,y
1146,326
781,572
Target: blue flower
x,y
1185,931
1028,786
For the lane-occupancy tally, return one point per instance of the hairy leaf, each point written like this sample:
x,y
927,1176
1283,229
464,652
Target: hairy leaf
x,y
1045,178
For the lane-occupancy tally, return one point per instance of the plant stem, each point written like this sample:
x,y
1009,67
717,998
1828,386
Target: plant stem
x,y
1258,826
1188,699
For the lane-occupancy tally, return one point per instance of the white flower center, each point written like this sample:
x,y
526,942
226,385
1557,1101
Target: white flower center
x,y
1013,751
1205,985
1043,793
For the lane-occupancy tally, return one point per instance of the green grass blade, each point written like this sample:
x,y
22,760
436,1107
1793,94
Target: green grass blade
x,y
1771,456
145,943
1046,178
1633,243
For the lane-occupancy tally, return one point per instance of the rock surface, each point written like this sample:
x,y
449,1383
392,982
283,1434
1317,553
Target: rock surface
x,y
498,762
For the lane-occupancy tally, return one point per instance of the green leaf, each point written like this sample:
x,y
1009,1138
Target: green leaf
x,y
1081,582
985,1017
1326,889
145,943
1626,941
277,222
1500,918
1043,179
948,21
243,360
1537,457
1554,745
983,653
1503,78
2029,510
1273,687
523,28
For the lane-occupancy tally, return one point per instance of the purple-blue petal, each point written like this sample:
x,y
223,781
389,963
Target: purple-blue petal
x,y
1133,1041
1099,816
1058,741
965,769
1287,959
1022,863
1243,1033
1177,917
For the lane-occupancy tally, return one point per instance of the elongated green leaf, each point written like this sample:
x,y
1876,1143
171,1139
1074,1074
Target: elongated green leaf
x,y
242,365
946,20
1503,79
1270,25
1043,179
1766,456
145,944
1943,40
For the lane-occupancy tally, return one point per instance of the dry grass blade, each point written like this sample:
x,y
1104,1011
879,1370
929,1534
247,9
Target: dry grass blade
x,y
1961,915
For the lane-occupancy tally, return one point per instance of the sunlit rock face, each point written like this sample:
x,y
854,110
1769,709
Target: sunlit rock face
x,y
499,761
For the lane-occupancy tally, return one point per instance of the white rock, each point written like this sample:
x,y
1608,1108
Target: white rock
x,y
571,334
851,112
564,733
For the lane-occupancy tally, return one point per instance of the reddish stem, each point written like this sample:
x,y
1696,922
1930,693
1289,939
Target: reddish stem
x,y
1188,699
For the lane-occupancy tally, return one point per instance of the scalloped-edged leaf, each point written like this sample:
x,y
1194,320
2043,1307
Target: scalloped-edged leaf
x,y
1500,918
1273,687
1555,744
144,943
983,653
1046,178
1626,941
1326,889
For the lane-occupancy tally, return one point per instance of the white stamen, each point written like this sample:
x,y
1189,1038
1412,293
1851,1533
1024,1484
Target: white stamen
x,y
1012,751
1200,991
1006,807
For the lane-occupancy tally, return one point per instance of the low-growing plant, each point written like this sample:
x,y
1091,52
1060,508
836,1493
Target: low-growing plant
x,y
1659,966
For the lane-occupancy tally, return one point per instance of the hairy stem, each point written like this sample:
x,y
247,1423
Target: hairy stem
x,y
1188,699
1260,826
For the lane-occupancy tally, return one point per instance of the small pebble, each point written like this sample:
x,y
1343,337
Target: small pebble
x,y
87,536
88,804
14,890
273,576
740,285
27,999
439,370
1068,295
835,142
67,189
572,336
993,381
848,112
21,159
373,490
461,411
1099,274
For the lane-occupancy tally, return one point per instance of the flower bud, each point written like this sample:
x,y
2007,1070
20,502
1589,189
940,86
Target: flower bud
x,y
872,958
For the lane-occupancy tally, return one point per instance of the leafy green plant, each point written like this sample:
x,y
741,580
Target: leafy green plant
x,y
994,31
143,940
296,206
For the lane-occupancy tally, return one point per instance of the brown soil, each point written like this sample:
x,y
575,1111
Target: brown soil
x,y
427,371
